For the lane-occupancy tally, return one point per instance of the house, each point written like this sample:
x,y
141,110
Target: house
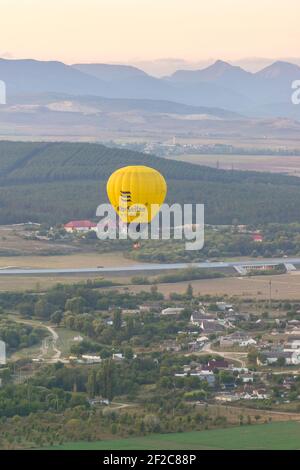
x,y
206,375
214,364
98,401
211,326
294,322
227,397
91,359
246,378
198,316
202,374
292,344
150,307
130,311
118,356
257,237
288,382
224,307
172,311
78,338
247,342
239,338
271,357
260,394
80,226
202,339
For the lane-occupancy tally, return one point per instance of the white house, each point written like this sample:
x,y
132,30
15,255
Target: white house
x,y
247,342
293,344
91,359
172,311
224,307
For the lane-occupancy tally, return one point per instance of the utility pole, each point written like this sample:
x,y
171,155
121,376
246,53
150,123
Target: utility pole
x,y
270,294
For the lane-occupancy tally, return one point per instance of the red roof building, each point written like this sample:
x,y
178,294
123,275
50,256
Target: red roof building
x,y
257,237
215,364
80,226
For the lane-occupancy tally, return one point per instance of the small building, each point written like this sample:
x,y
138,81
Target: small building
x,y
91,359
206,375
257,237
98,401
80,226
246,378
78,339
237,339
172,311
150,307
198,316
118,356
130,311
211,326
227,397
292,344
224,307
291,357
214,364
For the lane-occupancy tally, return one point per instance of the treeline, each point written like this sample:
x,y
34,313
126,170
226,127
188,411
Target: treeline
x,y
19,335
54,182
180,275
278,240
24,399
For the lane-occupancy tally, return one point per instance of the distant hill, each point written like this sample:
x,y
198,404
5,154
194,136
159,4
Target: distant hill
x,y
33,76
54,182
263,89
221,85
100,104
218,71
110,72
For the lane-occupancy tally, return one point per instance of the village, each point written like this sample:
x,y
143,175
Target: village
x,y
229,354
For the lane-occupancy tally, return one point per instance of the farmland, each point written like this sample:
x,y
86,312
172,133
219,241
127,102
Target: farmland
x,y
285,286
272,163
273,436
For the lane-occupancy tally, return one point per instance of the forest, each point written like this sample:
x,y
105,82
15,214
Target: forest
x,y
55,182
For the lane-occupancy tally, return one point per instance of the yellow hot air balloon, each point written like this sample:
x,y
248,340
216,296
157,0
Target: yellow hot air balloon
x,y
136,193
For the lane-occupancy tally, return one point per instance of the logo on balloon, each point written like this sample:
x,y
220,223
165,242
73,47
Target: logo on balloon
x,y
137,210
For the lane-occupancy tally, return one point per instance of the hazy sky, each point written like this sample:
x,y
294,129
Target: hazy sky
x,y
132,30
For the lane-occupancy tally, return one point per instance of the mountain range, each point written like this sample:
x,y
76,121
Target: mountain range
x,y
264,93
48,99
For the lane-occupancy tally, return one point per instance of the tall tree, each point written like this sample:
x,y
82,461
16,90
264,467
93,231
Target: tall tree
x,y
117,320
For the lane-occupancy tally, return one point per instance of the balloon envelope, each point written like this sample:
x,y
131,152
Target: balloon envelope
x,y
136,193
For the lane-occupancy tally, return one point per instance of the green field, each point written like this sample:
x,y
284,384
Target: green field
x,y
273,436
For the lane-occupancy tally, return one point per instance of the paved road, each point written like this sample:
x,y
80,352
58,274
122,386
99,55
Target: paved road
x,y
147,267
